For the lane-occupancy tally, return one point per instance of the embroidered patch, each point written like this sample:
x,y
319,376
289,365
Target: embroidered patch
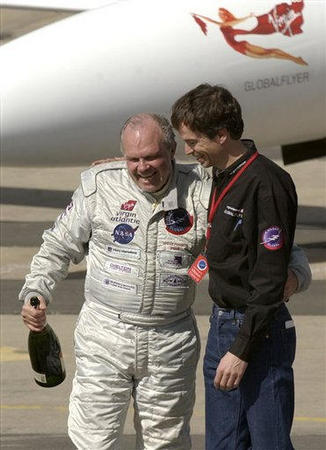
x,y
173,260
173,246
174,281
178,221
272,238
126,253
115,285
116,267
129,205
123,233
234,212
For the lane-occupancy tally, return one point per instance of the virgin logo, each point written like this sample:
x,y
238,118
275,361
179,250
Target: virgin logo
x,y
129,205
283,22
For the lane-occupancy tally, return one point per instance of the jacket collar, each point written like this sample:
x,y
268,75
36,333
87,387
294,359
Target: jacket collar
x,y
231,170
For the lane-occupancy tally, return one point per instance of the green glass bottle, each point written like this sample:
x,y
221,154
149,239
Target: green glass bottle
x,y
45,355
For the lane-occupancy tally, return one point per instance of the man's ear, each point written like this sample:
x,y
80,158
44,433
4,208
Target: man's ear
x,y
222,136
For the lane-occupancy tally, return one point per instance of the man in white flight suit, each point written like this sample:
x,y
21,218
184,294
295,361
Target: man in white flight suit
x,y
141,223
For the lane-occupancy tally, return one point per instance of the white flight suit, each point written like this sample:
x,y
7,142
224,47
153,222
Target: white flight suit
x,y
136,334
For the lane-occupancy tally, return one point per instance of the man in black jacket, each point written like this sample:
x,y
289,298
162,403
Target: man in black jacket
x,y
251,342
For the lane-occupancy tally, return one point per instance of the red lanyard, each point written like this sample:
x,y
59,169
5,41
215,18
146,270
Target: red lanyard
x,y
215,203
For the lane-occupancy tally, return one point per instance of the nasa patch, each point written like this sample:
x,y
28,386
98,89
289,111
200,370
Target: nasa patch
x,y
272,238
123,233
178,221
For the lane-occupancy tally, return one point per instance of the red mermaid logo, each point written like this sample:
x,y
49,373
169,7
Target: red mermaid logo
x,y
284,18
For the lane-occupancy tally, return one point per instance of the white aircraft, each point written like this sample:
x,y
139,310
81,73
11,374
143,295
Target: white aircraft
x,y
68,87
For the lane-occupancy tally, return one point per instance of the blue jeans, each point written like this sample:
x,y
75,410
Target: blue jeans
x,y
259,414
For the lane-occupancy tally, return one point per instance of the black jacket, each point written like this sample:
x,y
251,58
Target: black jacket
x,y
251,239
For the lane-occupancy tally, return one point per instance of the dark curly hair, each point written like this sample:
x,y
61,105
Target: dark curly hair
x,y
206,109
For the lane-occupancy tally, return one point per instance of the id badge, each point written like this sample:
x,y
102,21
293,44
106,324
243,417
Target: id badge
x,y
198,269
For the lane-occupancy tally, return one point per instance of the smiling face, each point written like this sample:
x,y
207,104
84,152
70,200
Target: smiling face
x,y
208,152
149,162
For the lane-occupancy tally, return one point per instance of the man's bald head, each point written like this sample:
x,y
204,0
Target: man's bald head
x,y
144,121
147,141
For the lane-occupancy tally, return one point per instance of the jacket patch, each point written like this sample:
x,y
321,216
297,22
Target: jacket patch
x,y
178,221
234,212
131,254
115,285
174,260
272,238
129,205
115,267
125,216
174,281
124,233
173,246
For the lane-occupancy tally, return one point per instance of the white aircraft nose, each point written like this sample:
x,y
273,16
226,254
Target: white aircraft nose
x,y
68,88
53,107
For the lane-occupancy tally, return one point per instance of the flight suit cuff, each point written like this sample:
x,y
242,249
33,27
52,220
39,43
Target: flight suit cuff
x,y
31,294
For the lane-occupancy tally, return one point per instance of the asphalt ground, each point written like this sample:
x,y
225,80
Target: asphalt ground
x,y
33,417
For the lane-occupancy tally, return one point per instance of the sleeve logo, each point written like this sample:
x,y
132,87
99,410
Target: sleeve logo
x,y
272,238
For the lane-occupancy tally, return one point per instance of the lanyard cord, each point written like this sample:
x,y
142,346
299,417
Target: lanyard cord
x,y
215,203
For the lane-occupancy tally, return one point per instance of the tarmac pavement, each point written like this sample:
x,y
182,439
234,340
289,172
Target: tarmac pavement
x,y
33,417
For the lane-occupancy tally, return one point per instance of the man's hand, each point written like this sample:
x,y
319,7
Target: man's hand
x,y
107,160
291,285
34,318
229,372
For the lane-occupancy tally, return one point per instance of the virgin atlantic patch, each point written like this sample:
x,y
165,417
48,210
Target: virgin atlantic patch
x,y
178,221
272,238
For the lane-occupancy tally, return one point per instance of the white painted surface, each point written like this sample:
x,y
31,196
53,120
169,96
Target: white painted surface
x,y
68,87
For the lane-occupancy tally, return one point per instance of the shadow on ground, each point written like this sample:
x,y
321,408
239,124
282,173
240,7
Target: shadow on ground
x,y
50,442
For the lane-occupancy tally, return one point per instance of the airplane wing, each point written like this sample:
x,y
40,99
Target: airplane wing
x,y
56,5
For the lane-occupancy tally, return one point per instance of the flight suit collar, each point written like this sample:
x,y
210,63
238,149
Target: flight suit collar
x,y
167,197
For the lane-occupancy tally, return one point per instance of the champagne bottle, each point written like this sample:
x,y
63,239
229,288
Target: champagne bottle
x,y
45,355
